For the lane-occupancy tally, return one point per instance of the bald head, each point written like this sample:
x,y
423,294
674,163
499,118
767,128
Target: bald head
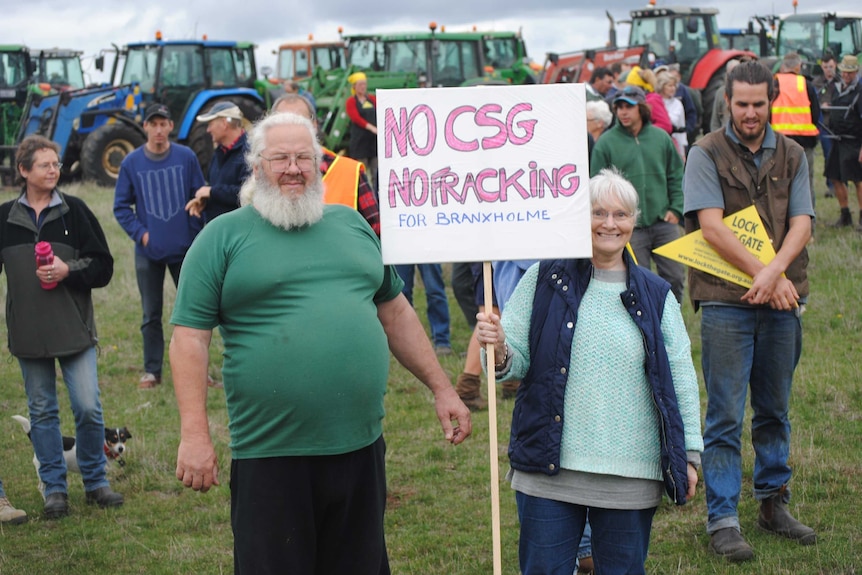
x,y
295,104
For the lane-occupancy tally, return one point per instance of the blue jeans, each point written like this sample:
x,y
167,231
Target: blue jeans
x,y
435,295
151,285
40,383
645,240
551,531
2,493
746,348
585,548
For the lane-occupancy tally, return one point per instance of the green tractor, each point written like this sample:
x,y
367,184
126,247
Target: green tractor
x,y
811,35
25,72
16,69
412,60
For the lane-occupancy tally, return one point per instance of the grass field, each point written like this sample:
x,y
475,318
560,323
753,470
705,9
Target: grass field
x,y
439,515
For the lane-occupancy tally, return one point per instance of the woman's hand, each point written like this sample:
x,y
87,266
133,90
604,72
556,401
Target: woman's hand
x,y
692,482
489,330
53,272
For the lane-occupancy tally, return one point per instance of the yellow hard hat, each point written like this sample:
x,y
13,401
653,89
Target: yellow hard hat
x,y
357,76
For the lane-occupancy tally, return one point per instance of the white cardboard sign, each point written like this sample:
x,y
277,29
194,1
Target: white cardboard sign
x,y
483,173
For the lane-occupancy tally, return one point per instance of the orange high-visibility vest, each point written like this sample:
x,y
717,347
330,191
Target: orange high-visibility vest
x,y
341,181
791,110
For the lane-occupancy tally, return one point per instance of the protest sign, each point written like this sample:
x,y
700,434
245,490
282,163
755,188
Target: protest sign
x,y
483,173
695,252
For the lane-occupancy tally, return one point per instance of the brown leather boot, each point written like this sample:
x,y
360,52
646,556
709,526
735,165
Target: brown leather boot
x,y
775,518
469,389
585,565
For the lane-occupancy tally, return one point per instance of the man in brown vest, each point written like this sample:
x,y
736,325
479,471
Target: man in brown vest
x,y
751,338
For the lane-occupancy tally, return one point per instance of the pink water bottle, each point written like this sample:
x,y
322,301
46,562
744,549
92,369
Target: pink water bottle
x,y
45,257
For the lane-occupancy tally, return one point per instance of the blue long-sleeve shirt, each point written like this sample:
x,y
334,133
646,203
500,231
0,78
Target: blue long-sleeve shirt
x,y
151,196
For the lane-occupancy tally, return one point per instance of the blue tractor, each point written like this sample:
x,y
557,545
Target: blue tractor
x,y
97,127
191,76
94,126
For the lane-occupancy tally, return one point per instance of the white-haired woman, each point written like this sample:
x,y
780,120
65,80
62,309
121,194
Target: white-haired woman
x,y
599,118
608,410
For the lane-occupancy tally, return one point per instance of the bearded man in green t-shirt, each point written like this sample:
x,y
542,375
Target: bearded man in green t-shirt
x,y
308,314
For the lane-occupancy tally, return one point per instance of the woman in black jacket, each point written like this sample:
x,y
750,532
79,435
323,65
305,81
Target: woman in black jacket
x,y
46,323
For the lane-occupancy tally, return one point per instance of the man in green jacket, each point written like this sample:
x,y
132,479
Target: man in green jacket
x,y
646,156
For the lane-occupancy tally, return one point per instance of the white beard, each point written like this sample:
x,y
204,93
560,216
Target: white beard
x,y
288,212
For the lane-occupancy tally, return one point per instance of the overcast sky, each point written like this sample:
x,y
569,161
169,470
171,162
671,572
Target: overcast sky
x,y
547,25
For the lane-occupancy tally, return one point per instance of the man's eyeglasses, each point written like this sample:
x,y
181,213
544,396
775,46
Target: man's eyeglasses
x,y
48,165
282,163
618,215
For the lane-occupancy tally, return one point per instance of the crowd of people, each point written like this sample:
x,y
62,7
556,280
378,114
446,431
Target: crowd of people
x,y
594,351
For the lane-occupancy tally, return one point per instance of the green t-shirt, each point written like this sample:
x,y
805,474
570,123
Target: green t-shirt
x,y
306,359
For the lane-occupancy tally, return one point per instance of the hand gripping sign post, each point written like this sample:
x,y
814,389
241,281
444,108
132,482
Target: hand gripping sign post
x,y
482,174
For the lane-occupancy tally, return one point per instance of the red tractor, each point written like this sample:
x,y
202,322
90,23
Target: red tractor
x,y
689,37
685,36
578,66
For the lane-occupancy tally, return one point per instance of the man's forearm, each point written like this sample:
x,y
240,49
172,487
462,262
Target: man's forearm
x,y
189,354
794,242
409,343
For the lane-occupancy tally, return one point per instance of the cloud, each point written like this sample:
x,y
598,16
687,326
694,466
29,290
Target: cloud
x,y
548,25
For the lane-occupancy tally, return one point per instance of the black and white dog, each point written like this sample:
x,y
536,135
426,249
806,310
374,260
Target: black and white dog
x,y
115,448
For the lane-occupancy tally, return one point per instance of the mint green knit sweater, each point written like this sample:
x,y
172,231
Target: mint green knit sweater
x,y
610,425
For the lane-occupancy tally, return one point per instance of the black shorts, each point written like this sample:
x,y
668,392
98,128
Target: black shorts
x,y
310,514
843,162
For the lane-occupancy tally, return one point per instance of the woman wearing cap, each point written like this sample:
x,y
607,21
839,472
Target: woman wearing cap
x,y
608,409
362,111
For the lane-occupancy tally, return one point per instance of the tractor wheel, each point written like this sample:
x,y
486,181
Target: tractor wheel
x,y
104,150
714,89
202,143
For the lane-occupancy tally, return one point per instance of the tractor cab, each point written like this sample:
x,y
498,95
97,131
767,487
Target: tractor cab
x,y
812,35
676,34
442,58
298,60
15,73
176,73
60,69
